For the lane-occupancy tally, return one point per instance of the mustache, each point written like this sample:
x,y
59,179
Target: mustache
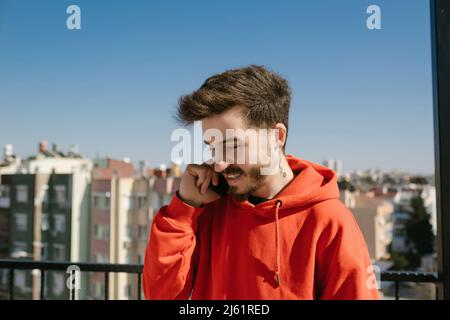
x,y
233,170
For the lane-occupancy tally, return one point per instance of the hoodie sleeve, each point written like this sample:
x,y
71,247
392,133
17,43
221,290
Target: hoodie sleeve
x,y
171,254
344,269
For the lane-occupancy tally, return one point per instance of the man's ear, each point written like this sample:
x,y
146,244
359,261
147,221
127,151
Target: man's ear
x,y
280,136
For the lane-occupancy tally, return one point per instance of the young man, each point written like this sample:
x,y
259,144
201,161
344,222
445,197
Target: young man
x,y
283,235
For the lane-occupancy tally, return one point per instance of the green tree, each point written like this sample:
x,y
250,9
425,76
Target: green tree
x,y
419,232
400,261
419,180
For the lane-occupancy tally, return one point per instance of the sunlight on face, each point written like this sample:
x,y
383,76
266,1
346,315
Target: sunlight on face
x,y
236,150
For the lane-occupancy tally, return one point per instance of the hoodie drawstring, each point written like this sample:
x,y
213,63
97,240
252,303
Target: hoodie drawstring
x,y
278,204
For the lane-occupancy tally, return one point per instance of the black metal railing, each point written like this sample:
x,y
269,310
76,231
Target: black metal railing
x,y
45,266
396,277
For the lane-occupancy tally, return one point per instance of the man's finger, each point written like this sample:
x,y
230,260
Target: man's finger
x,y
205,184
201,174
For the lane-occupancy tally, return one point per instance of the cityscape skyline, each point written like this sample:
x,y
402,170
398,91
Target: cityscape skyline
x,y
335,164
361,96
101,210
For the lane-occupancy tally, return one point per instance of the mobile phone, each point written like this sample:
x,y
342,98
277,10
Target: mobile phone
x,y
221,188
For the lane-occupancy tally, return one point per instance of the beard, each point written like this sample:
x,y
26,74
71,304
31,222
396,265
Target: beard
x,y
255,177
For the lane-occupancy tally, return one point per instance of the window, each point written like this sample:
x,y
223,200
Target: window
x,y
97,231
105,232
44,193
101,231
100,258
4,277
128,202
60,223
142,201
5,200
58,284
20,249
102,200
59,252
142,232
60,193
45,224
97,289
128,231
20,279
128,291
22,194
44,251
21,221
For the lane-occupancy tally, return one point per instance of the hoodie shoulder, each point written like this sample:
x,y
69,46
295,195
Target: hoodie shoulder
x,y
331,210
334,216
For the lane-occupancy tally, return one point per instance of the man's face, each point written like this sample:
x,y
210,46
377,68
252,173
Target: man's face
x,y
236,155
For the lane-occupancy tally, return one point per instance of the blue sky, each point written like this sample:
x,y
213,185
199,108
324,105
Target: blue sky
x,y
112,87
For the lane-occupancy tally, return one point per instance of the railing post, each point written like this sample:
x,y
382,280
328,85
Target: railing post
x,y
139,286
397,290
440,40
73,287
11,284
436,295
42,291
106,285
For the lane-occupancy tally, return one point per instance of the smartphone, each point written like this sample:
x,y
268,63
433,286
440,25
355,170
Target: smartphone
x,y
221,188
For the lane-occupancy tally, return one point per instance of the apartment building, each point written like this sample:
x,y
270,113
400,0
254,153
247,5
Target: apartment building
x,y
123,210
374,217
46,203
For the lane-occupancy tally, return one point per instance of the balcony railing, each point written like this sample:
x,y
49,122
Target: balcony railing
x,y
45,266
397,277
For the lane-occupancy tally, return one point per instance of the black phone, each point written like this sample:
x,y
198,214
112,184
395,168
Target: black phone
x,y
221,188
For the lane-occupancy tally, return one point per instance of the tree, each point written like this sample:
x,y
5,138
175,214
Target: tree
x,y
419,232
400,261
419,180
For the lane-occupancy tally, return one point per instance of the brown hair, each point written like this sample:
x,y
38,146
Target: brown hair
x,y
264,95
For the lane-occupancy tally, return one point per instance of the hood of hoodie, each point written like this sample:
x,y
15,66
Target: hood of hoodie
x,y
312,183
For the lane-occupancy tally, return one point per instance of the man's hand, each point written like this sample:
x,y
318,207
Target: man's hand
x,y
194,185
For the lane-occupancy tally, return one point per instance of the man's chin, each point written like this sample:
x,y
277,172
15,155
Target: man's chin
x,y
237,193
241,193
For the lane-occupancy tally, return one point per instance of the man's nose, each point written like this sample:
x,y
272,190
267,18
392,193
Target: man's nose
x,y
220,166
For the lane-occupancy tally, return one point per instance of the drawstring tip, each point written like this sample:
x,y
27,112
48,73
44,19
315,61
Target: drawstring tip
x,y
277,277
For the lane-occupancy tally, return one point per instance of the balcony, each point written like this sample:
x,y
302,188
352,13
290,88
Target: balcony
x,y
395,277
440,26
47,266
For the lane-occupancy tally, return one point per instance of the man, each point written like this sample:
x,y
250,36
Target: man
x,y
283,235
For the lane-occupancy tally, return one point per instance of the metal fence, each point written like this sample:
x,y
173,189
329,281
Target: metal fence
x,y
396,277
45,266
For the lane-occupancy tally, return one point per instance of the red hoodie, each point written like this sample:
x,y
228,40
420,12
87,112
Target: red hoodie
x,y
303,244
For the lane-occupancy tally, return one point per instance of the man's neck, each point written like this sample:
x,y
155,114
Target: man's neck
x,y
276,182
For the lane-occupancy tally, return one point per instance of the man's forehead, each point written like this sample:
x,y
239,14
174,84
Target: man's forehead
x,y
232,119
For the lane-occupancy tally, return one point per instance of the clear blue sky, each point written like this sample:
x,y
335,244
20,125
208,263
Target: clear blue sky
x,y
112,87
